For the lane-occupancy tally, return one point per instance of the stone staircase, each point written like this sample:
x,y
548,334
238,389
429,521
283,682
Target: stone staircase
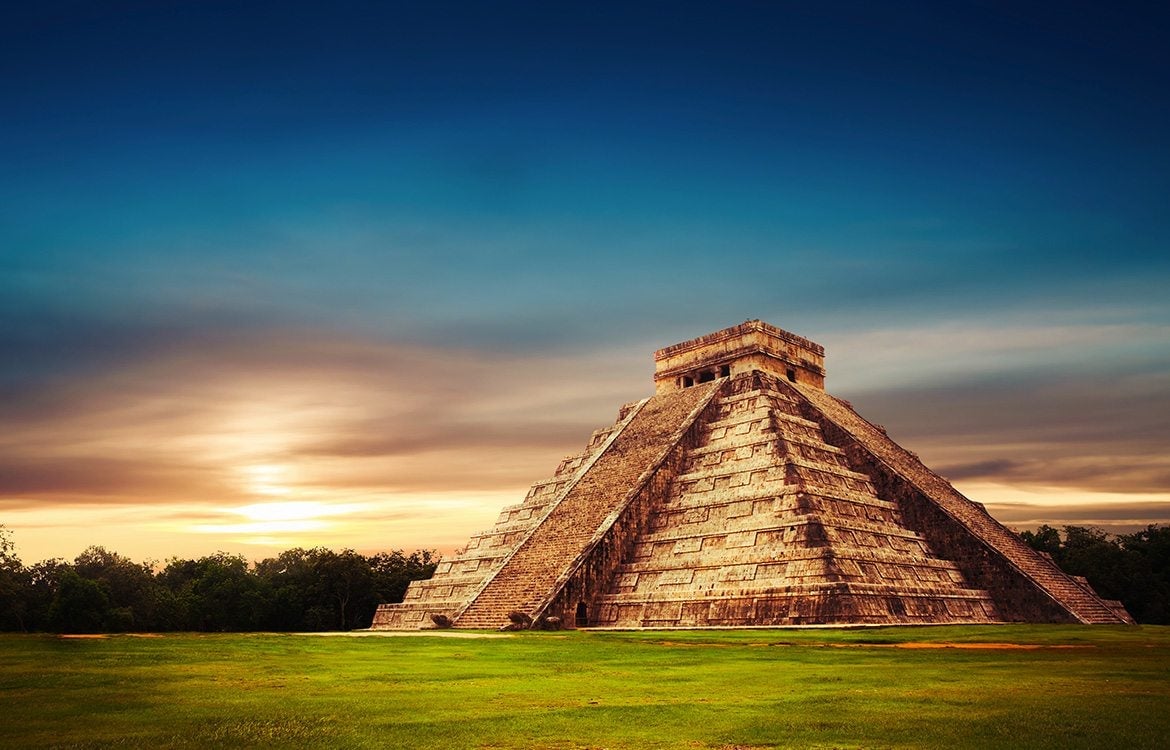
x,y
766,524
1078,599
528,577
460,576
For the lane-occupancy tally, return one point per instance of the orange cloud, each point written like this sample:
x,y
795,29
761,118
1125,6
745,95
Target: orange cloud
x,y
401,433
397,445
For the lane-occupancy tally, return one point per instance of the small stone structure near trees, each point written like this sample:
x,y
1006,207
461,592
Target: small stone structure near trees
x,y
742,494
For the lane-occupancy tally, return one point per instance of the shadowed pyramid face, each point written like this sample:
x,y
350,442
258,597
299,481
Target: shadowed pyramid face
x,y
753,345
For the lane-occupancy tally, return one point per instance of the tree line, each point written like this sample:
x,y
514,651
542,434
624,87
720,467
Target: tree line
x,y
320,589
299,590
1133,568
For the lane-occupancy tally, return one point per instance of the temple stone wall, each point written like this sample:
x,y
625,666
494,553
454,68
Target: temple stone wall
x,y
739,350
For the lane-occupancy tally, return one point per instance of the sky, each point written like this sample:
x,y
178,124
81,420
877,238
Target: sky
x,y
356,274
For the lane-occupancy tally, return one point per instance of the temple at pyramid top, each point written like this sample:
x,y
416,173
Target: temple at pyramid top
x,y
743,494
752,345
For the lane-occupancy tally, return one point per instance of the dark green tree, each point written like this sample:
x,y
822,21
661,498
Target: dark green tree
x,y
80,605
292,579
298,590
1151,575
347,580
319,589
216,593
43,583
131,587
15,583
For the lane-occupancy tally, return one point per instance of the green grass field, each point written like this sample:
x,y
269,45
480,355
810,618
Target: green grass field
x,y
842,688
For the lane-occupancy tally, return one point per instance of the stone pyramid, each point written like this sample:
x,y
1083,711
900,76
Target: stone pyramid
x,y
742,494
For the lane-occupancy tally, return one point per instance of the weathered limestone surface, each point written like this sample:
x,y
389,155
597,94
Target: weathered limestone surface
x,y
742,494
1027,585
768,525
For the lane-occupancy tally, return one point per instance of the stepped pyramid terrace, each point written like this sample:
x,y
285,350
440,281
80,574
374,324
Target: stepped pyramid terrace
x,y
742,494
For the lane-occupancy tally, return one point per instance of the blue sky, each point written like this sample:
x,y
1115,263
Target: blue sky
x,y
224,227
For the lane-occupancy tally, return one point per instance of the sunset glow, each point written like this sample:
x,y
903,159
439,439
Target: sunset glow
x,y
267,480
320,277
289,518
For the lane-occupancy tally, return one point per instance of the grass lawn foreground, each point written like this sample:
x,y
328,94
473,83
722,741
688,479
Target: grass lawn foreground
x,y
929,687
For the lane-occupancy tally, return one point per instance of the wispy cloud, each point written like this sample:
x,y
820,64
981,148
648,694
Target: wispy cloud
x,y
961,352
1031,506
1074,406
423,444
234,420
